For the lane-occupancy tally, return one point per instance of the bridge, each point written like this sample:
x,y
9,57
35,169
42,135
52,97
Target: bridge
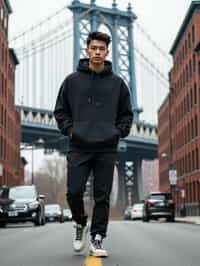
x,y
44,62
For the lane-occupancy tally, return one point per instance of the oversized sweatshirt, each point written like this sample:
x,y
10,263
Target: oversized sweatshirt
x,y
94,109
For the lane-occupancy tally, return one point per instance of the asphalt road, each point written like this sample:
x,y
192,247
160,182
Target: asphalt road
x,y
128,244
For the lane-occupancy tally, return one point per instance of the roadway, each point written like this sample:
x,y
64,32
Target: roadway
x,y
128,243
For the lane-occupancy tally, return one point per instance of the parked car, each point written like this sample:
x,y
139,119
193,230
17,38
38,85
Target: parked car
x,y
67,215
159,205
54,212
137,211
21,204
127,213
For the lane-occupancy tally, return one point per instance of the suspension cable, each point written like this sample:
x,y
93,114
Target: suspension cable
x,y
32,28
147,35
42,47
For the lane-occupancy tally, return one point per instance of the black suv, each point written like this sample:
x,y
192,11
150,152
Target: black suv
x,y
159,205
21,204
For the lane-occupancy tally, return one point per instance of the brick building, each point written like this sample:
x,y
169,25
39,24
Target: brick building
x,y
150,178
11,165
179,116
164,145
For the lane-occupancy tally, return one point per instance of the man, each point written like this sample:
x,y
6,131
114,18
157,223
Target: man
x,y
93,109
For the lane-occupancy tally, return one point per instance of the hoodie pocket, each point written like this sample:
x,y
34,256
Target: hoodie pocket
x,y
94,134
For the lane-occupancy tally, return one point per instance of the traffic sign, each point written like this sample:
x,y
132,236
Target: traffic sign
x,y
172,177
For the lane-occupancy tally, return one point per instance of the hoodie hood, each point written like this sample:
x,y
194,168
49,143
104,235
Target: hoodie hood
x,y
83,66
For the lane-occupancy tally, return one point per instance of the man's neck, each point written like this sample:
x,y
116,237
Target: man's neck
x,y
96,67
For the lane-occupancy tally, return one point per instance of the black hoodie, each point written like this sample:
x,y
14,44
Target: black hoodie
x,y
94,107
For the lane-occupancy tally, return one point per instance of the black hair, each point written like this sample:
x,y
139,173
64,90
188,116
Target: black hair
x,y
100,36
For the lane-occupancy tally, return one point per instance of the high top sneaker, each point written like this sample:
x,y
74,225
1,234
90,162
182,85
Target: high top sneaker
x,y
80,238
96,248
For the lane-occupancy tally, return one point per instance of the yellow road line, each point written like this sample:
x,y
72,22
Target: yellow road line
x,y
93,261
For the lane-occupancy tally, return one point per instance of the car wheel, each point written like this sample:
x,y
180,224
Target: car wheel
x,y
170,219
43,221
145,218
2,224
38,220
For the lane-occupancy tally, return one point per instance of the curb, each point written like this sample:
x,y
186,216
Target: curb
x,y
187,221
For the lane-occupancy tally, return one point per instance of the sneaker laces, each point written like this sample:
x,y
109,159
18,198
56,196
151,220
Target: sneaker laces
x,y
79,232
97,244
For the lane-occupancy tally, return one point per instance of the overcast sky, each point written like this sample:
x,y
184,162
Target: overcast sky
x,y
160,18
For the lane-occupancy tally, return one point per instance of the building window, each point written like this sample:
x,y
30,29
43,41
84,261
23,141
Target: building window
x,y
197,158
199,68
195,93
190,186
185,160
187,74
196,126
193,34
184,77
185,105
194,63
186,47
192,128
191,99
193,161
199,95
189,130
190,67
188,102
189,40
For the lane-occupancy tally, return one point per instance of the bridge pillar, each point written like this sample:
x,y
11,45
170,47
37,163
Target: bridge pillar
x,y
138,184
121,199
126,193
130,182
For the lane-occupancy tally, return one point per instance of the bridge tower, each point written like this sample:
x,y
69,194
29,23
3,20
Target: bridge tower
x,y
89,17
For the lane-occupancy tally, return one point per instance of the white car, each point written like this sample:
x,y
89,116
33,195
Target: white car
x,y
137,211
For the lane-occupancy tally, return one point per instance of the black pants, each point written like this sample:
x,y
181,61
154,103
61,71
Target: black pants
x,y
80,165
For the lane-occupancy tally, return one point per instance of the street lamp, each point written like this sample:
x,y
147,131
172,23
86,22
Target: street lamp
x,y
35,144
172,172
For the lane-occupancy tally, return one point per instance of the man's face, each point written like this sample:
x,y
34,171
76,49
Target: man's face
x,y
97,52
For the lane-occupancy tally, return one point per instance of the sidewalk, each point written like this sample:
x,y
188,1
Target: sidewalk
x,y
188,219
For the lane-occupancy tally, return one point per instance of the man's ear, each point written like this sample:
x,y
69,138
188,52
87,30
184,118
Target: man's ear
x,y
86,50
107,52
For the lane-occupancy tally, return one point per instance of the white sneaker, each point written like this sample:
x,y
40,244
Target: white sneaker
x,y
80,238
96,248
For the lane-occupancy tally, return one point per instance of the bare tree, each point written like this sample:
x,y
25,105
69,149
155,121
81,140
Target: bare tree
x,y
51,180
